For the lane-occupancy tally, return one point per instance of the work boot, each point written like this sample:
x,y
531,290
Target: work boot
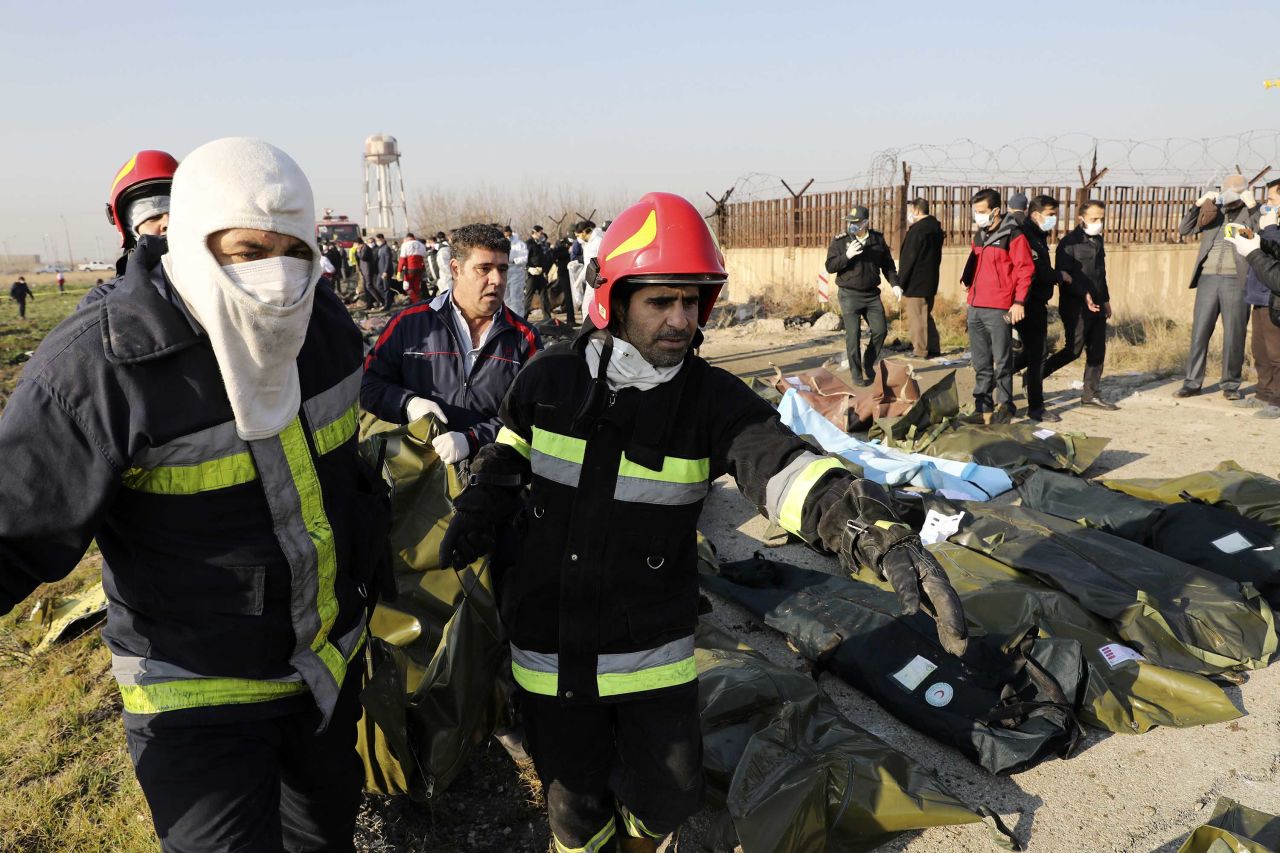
x,y
1043,415
1187,391
1233,394
1089,396
1270,413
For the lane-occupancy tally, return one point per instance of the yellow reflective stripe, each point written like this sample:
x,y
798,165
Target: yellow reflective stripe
x,y
202,692
303,471
542,683
335,434
511,438
790,515
564,447
674,470
635,826
667,675
597,842
612,683
223,473
889,525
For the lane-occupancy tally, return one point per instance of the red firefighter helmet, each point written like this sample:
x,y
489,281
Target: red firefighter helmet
x,y
143,174
662,235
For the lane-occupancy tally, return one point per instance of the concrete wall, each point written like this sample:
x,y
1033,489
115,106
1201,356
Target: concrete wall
x,y
1144,280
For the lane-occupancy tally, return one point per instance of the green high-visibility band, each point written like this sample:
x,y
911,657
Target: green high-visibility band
x,y
208,476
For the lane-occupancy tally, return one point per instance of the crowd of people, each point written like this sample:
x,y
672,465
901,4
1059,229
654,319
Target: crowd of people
x,y
198,419
1011,276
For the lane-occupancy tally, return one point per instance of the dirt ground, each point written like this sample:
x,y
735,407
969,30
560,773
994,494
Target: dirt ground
x,y
1120,793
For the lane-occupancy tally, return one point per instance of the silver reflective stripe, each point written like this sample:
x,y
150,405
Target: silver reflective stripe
x,y
549,662
555,469
327,406
347,642
215,442
300,551
144,671
638,490
775,491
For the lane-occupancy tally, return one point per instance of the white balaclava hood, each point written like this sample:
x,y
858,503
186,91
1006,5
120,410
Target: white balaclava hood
x,y
245,183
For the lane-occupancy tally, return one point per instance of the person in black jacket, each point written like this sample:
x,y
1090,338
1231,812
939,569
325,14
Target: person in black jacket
x,y
561,256
536,272
620,435
858,258
385,259
1041,219
19,292
1084,303
921,258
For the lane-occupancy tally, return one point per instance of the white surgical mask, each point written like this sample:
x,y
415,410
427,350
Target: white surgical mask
x,y
1050,222
1093,229
982,220
273,281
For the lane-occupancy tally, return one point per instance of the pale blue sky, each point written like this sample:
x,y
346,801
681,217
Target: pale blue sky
x,y
680,96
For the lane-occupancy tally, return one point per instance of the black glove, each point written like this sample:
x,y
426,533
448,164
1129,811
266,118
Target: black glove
x,y
479,515
873,536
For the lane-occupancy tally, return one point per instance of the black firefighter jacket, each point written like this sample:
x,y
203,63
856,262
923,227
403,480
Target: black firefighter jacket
x,y
233,570
603,602
862,271
921,258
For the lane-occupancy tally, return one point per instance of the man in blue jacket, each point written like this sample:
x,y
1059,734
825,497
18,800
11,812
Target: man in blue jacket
x,y
455,357
200,425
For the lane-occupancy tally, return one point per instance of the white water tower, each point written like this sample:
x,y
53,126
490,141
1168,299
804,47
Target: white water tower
x,y
381,159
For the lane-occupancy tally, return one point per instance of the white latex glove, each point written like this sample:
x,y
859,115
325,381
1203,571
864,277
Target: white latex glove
x,y
1209,196
855,248
452,447
1244,245
1248,199
897,292
535,270
1271,217
420,407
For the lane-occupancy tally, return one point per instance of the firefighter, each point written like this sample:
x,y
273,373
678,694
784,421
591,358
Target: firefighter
x,y
619,435
201,427
138,206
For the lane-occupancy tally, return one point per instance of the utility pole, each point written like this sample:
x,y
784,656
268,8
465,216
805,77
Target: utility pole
x,y
71,259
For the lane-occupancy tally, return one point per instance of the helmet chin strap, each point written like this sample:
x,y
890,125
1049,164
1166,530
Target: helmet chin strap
x,y
598,394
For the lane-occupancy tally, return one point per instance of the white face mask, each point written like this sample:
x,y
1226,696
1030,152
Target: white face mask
x,y
982,220
1228,197
272,281
1049,223
1093,229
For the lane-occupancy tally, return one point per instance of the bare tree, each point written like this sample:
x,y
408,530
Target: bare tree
x,y
522,208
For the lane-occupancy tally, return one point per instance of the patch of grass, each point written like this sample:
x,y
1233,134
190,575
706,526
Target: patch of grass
x,y
18,335
68,781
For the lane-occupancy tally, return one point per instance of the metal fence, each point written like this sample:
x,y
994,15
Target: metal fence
x,y
1134,214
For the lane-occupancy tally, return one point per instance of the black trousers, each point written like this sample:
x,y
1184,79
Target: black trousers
x,y
854,305
259,785
22,307
1083,331
536,285
1033,329
639,760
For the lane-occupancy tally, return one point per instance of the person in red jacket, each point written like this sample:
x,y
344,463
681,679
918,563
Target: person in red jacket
x,y
413,263
997,278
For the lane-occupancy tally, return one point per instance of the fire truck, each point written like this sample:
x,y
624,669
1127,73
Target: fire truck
x,y
337,229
